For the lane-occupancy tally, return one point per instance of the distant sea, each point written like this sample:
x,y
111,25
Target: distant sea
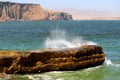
x,y
34,35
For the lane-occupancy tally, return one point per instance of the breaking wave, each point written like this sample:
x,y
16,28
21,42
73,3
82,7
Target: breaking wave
x,y
60,39
108,62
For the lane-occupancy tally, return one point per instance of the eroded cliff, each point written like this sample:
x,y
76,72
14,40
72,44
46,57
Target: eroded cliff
x,y
20,11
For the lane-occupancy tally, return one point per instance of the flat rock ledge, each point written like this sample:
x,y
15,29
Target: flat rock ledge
x,y
38,61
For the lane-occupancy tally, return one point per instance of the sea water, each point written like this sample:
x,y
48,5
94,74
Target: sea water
x,y
34,35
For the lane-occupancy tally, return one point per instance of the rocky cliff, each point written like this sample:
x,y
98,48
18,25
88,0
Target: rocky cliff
x,y
21,62
19,11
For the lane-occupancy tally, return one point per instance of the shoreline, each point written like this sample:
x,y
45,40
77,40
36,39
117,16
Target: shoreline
x,y
54,20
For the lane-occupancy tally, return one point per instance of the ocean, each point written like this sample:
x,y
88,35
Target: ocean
x,y
34,35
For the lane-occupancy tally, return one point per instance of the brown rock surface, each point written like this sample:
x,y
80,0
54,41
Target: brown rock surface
x,y
19,11
22,62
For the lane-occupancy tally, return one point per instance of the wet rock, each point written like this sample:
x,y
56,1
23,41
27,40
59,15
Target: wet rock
x,y
22,62
3,75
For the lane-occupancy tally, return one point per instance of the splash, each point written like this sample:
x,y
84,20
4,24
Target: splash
x,y
108,62
60,39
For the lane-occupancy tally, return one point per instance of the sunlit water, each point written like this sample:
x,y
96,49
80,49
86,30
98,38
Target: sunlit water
x,y
33,35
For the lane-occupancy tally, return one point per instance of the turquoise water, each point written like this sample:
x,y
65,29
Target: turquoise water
x,y
33,35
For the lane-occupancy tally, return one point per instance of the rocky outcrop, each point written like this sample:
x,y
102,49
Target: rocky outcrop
x,y
19,11
21,62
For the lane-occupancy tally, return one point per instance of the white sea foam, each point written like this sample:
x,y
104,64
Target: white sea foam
x,y
39,77
60,39
108,62
88,70
30,77
60,79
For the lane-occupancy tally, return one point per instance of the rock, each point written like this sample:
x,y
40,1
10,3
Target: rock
x,y
3,75
20,11
22,62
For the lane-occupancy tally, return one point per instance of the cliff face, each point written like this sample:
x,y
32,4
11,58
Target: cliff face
x,y
18,11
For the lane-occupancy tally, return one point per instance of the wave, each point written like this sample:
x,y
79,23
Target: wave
x,y
60,39
38,77
108,62
53,74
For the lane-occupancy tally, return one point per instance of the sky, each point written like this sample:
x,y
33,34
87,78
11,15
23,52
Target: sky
x,y
97,5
